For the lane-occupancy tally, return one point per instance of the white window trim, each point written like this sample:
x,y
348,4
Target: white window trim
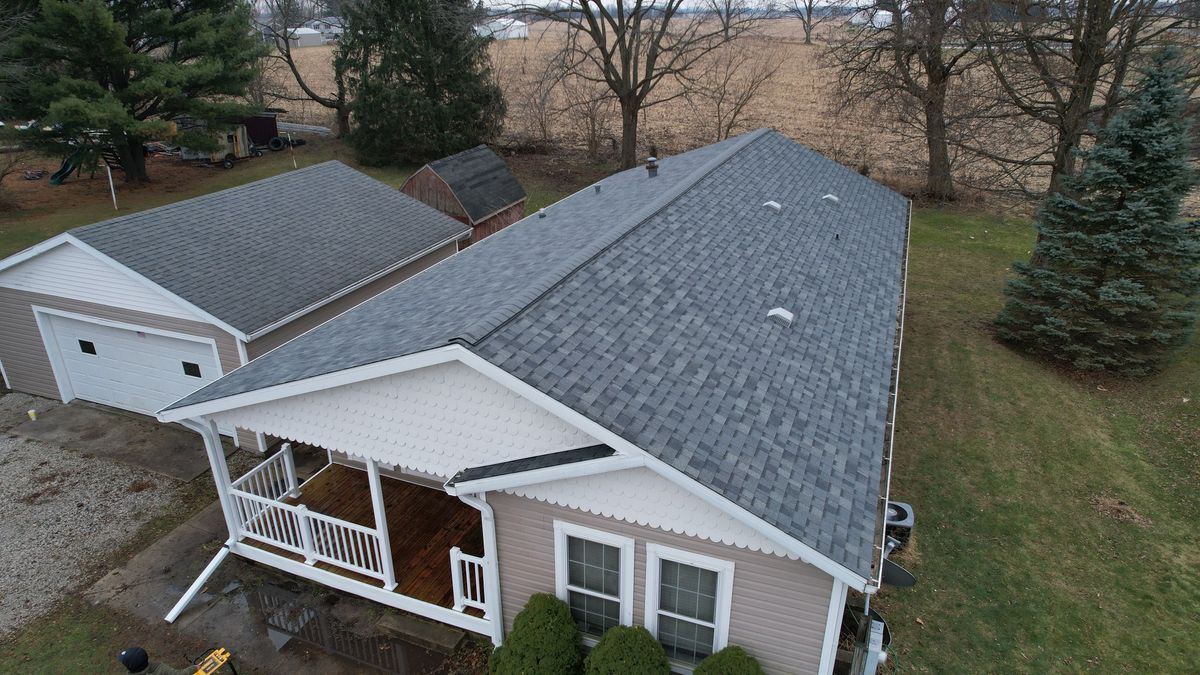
x,y
562,530
655,553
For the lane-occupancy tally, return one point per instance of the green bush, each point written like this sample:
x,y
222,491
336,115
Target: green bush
x,y
627,649
544,641
732,660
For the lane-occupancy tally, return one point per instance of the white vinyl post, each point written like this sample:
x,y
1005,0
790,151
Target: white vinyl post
x,y
385,546
456,577
289,462
220,470
111,187
306,536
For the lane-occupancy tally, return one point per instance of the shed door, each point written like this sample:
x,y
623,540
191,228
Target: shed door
x,y
126,368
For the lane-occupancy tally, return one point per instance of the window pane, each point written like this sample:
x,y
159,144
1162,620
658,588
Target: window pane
x,y
594,566
594,615
683,640
687,590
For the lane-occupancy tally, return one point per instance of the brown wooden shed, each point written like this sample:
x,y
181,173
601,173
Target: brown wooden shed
x,y
475,186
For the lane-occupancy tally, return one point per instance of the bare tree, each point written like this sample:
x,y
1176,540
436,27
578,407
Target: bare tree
x,y
908,55
589,107
812,13
729,13
634,46
1059,69
279,24
729,82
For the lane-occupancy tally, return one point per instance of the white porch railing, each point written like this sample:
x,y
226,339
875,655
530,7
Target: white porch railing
x,y
469,580
272,479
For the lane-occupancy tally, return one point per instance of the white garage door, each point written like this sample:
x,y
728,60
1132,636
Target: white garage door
x,y
130,369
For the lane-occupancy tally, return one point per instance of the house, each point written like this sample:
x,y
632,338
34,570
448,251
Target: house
x,y
137,311
503,28
474,186
330,27
305,37
667,398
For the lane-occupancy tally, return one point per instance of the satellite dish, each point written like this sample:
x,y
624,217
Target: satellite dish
x,y
895,575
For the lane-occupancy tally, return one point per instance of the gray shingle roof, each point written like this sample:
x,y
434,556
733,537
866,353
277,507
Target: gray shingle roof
x,y
652,321
480,180
255,254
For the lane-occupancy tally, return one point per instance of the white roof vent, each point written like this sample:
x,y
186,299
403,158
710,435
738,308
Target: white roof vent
x,y
773,205
541,213
832,198
781,315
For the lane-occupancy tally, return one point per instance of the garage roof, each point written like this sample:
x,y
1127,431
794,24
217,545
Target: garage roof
x,y
257,254
643,304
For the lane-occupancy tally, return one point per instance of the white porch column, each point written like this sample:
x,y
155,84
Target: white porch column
x,y
385,545
491,564
220,471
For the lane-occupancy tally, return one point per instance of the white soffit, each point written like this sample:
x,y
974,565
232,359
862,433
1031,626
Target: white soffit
x,y
438,420
643,497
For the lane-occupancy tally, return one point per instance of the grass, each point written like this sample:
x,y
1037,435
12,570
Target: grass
x,y
1003,457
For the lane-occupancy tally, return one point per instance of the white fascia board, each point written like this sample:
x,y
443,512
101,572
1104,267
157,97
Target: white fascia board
x,y
589,467
586,425
156,288
33,251
356,285
465,356
307,386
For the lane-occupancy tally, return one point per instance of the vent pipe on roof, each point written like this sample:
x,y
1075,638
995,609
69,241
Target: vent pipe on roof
x,y
782,316
597,187
652,166
773,205
832,198
541,213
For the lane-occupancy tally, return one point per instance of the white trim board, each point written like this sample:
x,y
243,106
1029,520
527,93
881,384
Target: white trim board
x,y
456,352
564,529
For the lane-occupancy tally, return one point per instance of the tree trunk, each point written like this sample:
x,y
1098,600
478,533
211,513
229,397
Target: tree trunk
x,y
133,160
629,134
939,183
343,120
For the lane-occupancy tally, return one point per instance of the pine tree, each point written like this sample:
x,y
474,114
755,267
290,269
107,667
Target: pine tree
x,y
421,80
123,68
1116,274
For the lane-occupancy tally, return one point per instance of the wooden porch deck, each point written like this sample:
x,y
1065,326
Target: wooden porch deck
x,y
423,525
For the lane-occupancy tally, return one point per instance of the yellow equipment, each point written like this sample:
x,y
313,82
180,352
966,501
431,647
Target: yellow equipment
x,y
213,662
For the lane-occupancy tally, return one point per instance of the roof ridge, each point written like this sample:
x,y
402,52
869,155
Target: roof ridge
x,y
475,332
235,188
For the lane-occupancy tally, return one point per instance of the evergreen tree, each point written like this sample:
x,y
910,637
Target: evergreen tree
x,y
421,80
123,68
1116,274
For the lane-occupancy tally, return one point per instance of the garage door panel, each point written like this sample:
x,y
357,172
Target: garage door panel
x,y
135,370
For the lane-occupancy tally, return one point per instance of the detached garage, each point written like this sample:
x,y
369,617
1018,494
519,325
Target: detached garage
x,y
138,311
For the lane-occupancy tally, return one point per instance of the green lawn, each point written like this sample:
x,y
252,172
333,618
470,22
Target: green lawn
x,y
1002,458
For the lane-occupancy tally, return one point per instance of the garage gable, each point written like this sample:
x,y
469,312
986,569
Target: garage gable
x,y
438,420
66,270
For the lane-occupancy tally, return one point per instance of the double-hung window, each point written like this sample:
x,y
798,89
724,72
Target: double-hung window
x,y
687,602
594,576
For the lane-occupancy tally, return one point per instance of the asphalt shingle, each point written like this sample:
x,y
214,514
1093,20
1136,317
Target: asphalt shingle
x,y
255,254
481,181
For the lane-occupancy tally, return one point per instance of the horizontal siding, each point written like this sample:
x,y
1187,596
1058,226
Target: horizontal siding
x,y
499,221
69,271
428,187
779,605
24,355
322,314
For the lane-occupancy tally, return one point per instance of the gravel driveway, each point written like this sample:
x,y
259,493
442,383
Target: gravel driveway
x,y
64,513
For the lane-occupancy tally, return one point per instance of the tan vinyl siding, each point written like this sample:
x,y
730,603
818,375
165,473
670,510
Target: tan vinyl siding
x,y
24,354
324,313
779,605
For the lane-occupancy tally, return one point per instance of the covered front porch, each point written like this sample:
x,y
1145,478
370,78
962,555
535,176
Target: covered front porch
x,y
354,527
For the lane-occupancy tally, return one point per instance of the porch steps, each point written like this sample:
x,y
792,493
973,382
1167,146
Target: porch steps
x,y
432,635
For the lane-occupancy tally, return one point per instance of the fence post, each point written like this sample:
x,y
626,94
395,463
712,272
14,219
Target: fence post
x,y
456,577
289,464
306,537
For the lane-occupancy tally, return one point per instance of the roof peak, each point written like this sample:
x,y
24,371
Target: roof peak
x,y
481,328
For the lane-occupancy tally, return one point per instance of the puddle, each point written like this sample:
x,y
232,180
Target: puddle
x,y
292,618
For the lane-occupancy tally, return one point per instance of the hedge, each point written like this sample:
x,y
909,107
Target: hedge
x,y
627,649
732,660
544,641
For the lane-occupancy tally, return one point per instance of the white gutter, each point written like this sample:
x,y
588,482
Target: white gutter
x,y
491,563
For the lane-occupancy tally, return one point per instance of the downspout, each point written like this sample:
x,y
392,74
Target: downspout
x,y
491,563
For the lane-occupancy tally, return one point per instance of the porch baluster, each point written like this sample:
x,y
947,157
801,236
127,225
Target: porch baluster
x,y
306,537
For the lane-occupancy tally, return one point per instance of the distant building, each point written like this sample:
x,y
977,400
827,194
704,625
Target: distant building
x,y
503,29
871,19
306,37
330,27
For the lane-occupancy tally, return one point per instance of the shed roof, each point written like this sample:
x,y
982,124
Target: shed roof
x,y
642,305
258,253
480,180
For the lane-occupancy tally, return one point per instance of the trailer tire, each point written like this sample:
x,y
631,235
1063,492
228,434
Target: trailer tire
x,y
276,143
227,162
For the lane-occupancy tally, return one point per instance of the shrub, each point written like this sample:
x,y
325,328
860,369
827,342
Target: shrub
x,y
732,660
627,649
544,641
